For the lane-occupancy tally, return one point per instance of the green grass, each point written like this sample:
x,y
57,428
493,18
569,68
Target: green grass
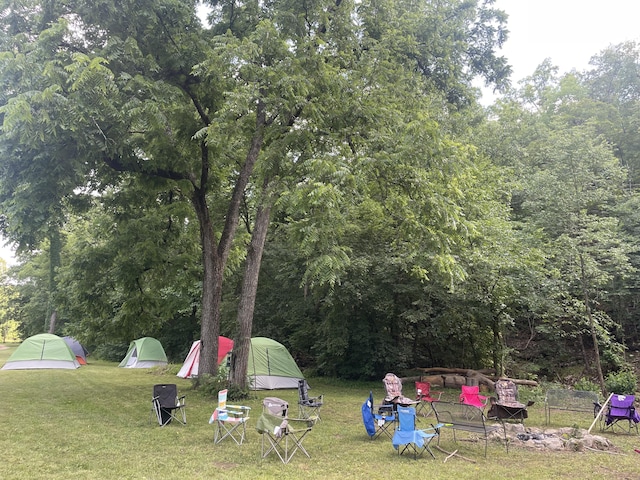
x,y
93,423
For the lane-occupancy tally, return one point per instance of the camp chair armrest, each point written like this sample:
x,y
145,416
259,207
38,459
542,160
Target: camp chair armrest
x,y
313,400
435,428
300,424
237,411
463,397
232,412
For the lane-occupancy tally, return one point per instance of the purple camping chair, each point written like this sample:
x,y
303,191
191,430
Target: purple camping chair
x,y
470,395
622,414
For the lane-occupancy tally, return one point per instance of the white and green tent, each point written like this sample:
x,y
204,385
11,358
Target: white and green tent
x,y
271,366
145,352
44,350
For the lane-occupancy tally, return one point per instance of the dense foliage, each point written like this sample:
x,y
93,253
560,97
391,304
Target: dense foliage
x,y
320,173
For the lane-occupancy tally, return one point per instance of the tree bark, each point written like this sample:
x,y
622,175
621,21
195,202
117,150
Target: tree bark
x,y
55,246
211,290
248,297
215,259
592,326
52,321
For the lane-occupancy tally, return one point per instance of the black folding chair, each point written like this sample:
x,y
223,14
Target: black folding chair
x,y
309,406
167,406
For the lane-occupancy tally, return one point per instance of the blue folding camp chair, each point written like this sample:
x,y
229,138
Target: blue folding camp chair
x,y
408,438
378,419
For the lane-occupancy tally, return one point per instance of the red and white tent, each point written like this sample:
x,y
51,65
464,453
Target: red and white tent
x,y
190,366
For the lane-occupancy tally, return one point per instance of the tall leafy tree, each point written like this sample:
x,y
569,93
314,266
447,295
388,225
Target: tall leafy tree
x,y
227,113
570,185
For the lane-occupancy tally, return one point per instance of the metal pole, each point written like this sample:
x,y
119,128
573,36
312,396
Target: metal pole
x,y
600,412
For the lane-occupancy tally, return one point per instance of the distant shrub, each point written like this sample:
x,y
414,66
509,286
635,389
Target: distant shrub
x,y
211,384
622,382
238,393
586,384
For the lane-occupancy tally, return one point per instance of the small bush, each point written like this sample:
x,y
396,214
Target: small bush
x,y
238,393
622,382
210,385
586,384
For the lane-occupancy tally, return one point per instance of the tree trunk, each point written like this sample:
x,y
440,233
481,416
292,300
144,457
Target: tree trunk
x,y
215,259
211,291
459,371
496,354
52,322
248,297
55,246
592,326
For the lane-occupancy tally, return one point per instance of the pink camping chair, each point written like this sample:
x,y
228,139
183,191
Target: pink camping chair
x,y
471,396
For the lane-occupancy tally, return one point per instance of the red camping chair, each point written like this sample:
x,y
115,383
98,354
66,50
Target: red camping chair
x,y
423,395
470,395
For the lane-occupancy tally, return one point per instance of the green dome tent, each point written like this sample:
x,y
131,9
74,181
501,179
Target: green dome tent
x,y
145,352
271,366
44,350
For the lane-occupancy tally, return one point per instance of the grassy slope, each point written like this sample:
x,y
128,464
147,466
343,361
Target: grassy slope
x,y
94,423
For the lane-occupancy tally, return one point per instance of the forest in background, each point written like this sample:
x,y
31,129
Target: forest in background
x,y
321,173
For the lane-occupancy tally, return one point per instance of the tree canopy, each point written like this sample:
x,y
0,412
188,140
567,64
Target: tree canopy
x,y
319,172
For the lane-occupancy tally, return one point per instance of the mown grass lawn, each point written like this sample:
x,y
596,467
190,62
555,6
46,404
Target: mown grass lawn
x,y
93,423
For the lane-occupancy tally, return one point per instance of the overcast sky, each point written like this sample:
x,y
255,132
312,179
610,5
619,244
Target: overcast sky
x,y
7,255
569,32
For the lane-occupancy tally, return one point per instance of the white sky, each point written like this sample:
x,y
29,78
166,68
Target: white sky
x,y
6,254
569,32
